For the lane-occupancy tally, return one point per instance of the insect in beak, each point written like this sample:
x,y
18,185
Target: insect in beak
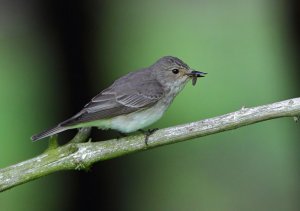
x,y
195,74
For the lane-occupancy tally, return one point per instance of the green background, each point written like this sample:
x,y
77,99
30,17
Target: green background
x,y
243,45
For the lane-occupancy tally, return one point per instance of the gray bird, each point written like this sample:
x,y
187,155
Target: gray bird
x,y
134,101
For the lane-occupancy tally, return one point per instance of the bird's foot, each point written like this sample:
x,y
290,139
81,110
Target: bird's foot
x,y
148,133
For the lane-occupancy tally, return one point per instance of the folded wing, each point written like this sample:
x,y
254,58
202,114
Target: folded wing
x,y
119,100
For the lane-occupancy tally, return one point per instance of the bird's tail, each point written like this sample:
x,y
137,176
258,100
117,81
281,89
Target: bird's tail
x,y
48,132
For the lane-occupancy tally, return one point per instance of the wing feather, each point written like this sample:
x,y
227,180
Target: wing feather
x,y
119,99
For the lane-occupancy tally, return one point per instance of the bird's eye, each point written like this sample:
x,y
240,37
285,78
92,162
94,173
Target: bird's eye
x,y
175,71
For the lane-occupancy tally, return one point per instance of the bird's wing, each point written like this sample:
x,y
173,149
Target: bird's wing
x,y
118,100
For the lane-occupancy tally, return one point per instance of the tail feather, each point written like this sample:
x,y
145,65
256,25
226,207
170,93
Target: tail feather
x,y
48,132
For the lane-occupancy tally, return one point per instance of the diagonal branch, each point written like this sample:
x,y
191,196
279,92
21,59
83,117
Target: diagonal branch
x,y
77,155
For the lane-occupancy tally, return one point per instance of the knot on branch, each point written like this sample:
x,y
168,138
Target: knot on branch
x,y
80,156
79,160
80,164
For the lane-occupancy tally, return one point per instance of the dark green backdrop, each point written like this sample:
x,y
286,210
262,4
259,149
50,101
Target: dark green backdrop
x,y
243,45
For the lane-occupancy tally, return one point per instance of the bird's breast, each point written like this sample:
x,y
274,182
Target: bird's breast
x,y
137,120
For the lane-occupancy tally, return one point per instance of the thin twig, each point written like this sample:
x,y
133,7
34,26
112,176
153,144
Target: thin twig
x,y
77,155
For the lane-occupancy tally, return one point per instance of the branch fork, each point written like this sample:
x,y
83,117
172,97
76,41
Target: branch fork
x,y
77,155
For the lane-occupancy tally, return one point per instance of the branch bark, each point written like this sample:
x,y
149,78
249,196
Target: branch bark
x,y
79,156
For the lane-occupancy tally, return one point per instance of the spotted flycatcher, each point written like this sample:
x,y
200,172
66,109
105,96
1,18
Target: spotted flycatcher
x,y
134,101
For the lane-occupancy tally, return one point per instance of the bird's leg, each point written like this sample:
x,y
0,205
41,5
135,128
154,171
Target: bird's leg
x,y
148,133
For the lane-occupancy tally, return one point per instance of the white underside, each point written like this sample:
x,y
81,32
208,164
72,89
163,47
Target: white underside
x,y
140,119
130,122
137,120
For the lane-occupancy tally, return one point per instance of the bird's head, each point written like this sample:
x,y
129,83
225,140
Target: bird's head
x,y
174,73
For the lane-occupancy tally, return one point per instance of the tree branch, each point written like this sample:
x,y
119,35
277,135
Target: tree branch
x,y
77,156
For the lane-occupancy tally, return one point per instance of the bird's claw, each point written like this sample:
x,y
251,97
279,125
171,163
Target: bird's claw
x,y
148,133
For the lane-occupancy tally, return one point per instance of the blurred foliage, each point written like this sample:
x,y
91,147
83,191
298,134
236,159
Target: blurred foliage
x,y
239,43
27,101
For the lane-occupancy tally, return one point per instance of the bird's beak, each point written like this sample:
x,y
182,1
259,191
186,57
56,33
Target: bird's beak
x,y
196,74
